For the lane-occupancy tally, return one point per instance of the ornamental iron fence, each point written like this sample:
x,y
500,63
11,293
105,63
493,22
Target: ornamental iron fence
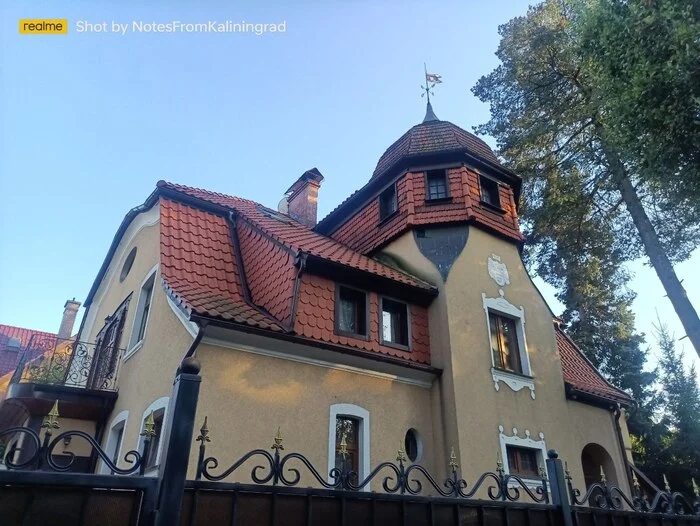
x,y
39,487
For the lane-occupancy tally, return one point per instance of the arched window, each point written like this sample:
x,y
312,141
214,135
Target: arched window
x,y
159,409
115,440
595,457
349,426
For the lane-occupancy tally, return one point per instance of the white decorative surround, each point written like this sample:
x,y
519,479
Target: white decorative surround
x,y
498,271
362,415
526,442
515,381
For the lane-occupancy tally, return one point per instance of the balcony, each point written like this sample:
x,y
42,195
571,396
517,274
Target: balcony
x,y
80,375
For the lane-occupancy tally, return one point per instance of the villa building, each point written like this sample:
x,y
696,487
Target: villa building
x,y
406,316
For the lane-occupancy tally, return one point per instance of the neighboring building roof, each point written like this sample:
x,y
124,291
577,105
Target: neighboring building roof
x,y
10,332
13,340
580,374
432,137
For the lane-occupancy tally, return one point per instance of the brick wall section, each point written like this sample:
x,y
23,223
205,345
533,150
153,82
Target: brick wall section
x,y
269,271
363,232
316,319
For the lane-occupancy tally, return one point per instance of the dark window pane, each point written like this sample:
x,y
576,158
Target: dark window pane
x,y
522,461
147,294
394,322
504,343
411,445
387,202
437,184
347,436
489,192
352,311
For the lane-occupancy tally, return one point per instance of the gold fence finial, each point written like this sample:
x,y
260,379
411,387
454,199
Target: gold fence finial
x,y
696,490
667,487
51,420
602,475
567,473
499,464
453,461
149,427
343,447
635,481
204,433
401,454
543,472
278,440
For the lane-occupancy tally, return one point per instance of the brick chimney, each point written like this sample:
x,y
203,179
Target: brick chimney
x,y
302,197
70,312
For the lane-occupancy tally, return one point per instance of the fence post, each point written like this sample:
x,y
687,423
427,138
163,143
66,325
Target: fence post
x,y
557,483
178,441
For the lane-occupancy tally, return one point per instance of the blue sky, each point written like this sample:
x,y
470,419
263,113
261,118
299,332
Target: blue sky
x,y
89,122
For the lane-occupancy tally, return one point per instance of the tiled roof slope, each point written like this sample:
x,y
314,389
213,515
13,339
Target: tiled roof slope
x,y
582,375
198,266
10,354
432,137
297,236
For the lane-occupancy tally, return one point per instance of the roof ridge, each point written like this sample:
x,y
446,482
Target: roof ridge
x,y
583,355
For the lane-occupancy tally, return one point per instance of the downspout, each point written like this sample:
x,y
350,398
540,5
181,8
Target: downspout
x,y
197,339
617,412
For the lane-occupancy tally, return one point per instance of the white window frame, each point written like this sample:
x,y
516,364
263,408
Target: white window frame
x,y
502,307
157,405
134,345
122,418
362,415
527,442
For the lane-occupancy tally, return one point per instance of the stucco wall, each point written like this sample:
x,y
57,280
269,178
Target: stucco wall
x,y
247,396
478,407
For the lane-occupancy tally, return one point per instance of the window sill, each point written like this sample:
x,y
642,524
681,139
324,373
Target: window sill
x,y
384,221
398,346
531,483
438,201
129,353
492,208
355,336
515,381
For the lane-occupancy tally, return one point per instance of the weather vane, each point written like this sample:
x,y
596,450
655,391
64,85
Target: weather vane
x,y
431,80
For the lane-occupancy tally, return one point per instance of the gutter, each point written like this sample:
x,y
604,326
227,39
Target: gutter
x,y
197,340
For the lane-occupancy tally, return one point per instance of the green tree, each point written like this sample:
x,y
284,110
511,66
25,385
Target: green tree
x,y
566,117
681,395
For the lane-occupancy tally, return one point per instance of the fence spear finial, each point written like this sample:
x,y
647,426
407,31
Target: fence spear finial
x,y
51,420
696,490
635,481
667,487
453,461
149,427
278,440
401,454
602,475
499,465
204,433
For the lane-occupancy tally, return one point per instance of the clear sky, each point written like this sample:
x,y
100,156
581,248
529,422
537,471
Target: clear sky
x,y
90,121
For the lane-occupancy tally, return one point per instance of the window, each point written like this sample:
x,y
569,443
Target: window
x,y
143,310
489,192
351,311
127,265
347,438
394,322
349,424
115,440
436,185
413,445
387,202
159,409
154,446
522,461
504,343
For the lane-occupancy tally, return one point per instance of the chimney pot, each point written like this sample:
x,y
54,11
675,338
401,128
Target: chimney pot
x,y
70,312
302,197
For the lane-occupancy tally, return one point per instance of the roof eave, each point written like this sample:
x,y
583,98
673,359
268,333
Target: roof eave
x,y
598,400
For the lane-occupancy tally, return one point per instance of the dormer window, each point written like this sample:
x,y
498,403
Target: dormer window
x,y
436,185
489,192
394,323
387,202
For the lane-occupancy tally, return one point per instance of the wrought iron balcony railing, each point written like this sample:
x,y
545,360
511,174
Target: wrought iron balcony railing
x,y
69,363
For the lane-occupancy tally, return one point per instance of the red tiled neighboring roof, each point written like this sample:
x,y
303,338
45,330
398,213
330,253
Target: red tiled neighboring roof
x,y
582,375
297,236
429,138
8,332
199,269
13,340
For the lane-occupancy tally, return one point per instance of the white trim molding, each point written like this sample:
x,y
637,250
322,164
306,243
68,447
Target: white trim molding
x,y
361,414
157,405
525,442
515,381
151,275
121,418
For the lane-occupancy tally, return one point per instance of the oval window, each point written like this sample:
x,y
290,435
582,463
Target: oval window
x,y
128,264
412,445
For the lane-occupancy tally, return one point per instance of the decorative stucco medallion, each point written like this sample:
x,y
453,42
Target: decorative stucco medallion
x,y
498,271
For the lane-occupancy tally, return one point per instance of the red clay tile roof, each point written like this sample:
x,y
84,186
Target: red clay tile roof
x,y
8,332
198,268
10,354
582,375
297,236
429,138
